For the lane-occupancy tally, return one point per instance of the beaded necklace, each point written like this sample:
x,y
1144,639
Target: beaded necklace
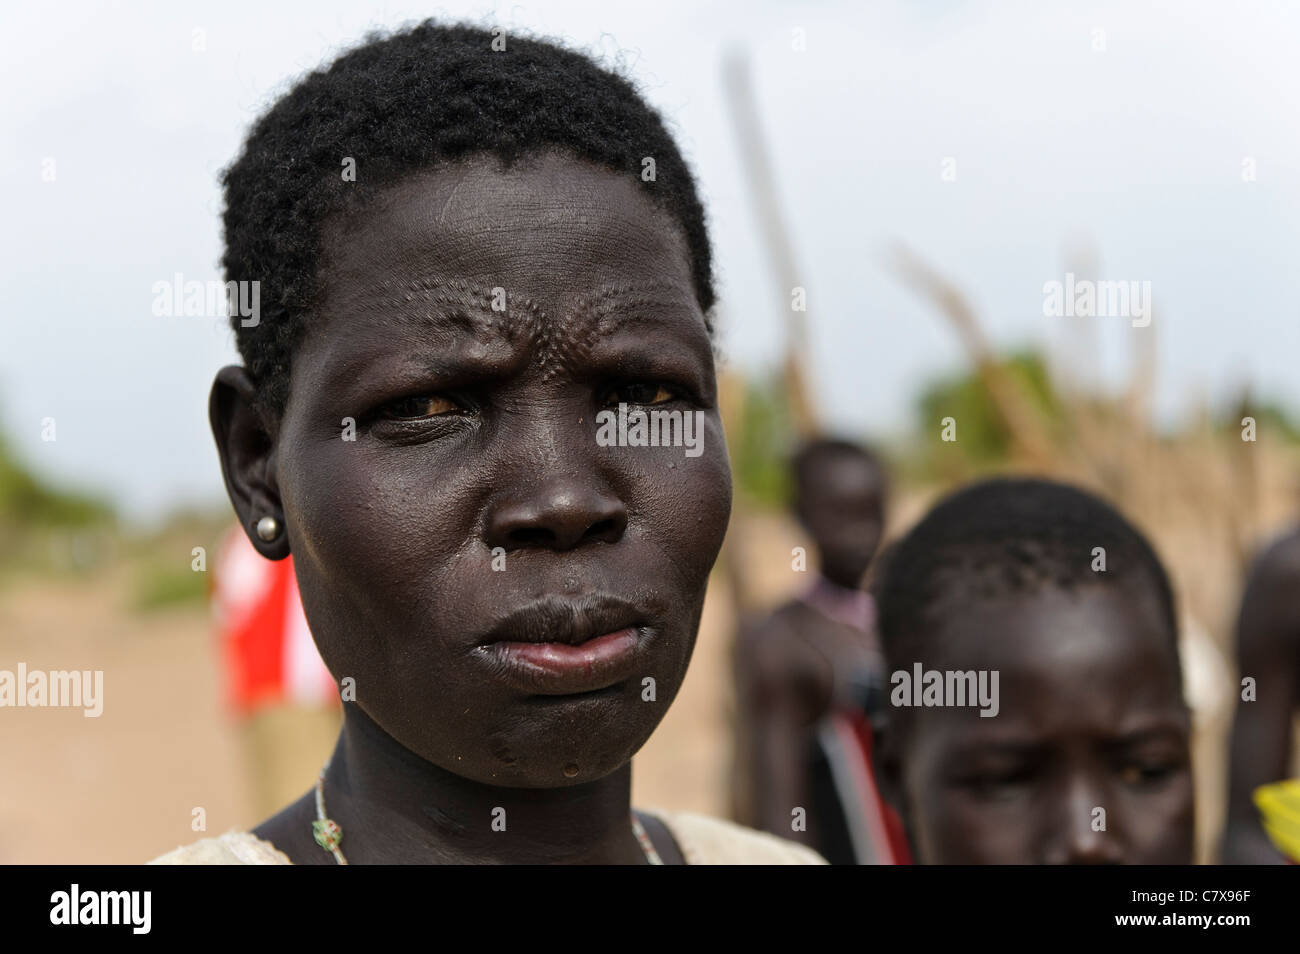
x,y
329,834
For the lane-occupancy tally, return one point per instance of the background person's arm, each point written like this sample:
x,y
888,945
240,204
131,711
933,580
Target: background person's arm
x,y
777,734
1268,651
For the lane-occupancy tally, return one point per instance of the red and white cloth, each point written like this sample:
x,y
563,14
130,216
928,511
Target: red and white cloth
x,y
269,655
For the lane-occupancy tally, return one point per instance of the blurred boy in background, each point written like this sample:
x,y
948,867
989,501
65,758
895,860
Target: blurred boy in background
x,y
810,676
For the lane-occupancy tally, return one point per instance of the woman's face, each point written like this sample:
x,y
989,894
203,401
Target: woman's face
x,y
516,601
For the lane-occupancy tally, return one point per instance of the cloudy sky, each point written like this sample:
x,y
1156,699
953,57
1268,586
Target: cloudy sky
x,y
1124,125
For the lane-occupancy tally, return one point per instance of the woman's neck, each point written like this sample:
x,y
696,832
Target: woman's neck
x,y
396,808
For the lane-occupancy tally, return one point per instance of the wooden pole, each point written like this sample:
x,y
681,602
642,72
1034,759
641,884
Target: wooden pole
x,y
1022,425
762,188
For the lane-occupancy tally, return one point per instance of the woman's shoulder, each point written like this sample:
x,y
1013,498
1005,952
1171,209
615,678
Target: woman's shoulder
x,y
703,841
713,841
231,848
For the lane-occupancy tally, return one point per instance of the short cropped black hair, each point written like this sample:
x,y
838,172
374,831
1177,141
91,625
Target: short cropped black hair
x,y
409,100
816,450
1005,536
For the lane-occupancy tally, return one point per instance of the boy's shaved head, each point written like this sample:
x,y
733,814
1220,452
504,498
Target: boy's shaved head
x,y
1005,536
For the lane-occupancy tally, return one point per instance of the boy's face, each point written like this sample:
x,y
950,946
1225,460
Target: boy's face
x,y
1086,761
840,506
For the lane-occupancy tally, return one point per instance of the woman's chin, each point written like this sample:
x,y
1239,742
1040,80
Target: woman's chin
x,y
562,741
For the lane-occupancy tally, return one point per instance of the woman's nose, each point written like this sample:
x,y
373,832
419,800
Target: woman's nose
x,y
559,513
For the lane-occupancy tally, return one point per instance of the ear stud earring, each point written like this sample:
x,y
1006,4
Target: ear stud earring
x,y
268,528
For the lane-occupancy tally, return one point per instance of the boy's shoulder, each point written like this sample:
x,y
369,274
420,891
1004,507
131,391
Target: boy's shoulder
x,y
780,646
1280,558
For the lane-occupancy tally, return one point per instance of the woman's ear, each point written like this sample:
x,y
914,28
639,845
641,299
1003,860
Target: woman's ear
x,y
246,446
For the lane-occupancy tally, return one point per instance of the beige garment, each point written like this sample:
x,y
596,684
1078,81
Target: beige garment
x,y
703,841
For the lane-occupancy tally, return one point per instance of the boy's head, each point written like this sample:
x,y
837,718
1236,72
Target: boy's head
x,y
839,494
1064,614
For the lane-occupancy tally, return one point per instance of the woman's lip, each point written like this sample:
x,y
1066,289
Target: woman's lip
x,y
560,669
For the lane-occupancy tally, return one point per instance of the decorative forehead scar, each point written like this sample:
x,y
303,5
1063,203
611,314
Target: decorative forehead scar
x,y
556,343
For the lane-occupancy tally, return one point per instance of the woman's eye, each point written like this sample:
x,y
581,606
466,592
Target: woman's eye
x,y
639,394
415,408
